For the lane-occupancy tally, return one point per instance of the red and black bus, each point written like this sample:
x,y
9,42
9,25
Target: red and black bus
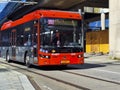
x,y
43,37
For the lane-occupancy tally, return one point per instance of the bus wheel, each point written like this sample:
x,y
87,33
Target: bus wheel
x,y
7,57
27,61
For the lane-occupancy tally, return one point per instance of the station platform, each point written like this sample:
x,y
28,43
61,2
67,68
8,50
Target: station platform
x,y
12,80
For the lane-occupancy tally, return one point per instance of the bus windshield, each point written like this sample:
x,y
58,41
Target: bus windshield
x,y
59,32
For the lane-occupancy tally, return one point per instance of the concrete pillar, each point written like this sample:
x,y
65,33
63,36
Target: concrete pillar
x,y
114,28
103,21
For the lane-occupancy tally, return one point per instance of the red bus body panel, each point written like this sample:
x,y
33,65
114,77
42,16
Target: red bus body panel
x,y
41,13
61,59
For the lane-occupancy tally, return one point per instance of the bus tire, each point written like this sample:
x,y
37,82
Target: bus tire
x,y
27,60
7,57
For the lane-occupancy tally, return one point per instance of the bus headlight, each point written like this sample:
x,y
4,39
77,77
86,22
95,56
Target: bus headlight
x,y
45,56
80,55
48,57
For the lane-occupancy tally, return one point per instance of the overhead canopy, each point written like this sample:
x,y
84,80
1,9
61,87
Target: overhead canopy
x,y
61,4
74,4
45,4
8,10
14,11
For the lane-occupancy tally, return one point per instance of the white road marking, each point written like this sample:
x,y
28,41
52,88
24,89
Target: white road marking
x,y
107,71
47,87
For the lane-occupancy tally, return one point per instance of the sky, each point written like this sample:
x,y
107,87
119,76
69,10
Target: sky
x,y
4,2
2,5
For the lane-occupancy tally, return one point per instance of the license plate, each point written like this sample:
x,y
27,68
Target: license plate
x,y
65,61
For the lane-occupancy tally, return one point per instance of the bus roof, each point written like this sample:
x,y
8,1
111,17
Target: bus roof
x,y
41,13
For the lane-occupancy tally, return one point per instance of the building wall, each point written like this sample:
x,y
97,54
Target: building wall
x,y
97,41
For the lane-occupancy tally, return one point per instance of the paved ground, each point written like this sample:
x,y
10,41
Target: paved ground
x,y
12,80
105,67
108,69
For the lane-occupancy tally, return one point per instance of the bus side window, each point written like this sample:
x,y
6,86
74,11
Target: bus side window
x,y
5,38
20,40
28,33
20,36
27,40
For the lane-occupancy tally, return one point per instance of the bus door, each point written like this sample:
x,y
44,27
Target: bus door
x,y
13,44
35,41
